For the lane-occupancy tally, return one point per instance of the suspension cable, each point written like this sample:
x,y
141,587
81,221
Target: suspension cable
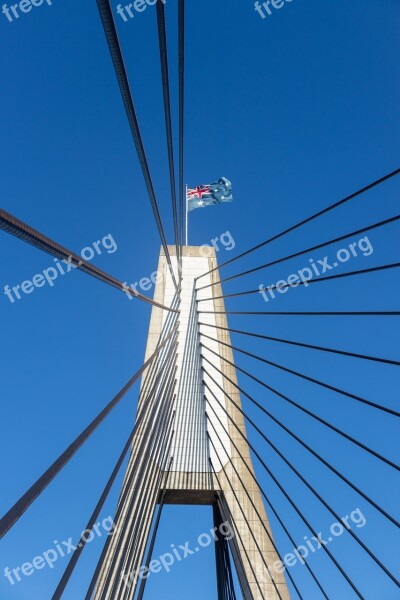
x,y
246,520
307,412
313,452
18,509
234,547
304,345
141,470
162,41
82,542
111,34
261,490
147,434
296,254
24,232
308,485
282,489
135,545
303,313
225,585
250,563
307,220
308,282
181,72
155,530
305,377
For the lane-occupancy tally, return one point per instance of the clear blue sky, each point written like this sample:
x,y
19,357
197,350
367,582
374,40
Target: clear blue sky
x,y
298,110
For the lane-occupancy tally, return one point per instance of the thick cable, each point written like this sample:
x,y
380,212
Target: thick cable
x,y
32,236
155,530
143,466
18,509
162,41
111,34
153,473
82,542
181,75
132,469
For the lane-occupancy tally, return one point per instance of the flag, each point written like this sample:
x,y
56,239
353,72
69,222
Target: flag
x,y
205,195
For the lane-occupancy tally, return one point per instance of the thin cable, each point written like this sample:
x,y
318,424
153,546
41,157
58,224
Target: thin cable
x,y
296,254
111,34
250,563
282,489
304,314
282,287
308,220
181,72
18,509
116,559
262,492
235,550
131,473
155,530
146,502
247,522
386,361
24,232
151,446
147,505
315,454
309,486
225,586
305,377
162,41
82,542
307,412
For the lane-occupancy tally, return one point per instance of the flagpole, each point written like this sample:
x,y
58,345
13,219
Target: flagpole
x,y
186,217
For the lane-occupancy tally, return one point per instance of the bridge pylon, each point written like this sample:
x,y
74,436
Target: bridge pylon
x,y
191,445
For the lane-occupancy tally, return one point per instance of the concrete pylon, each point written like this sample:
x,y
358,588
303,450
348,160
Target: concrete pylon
x,y
211,461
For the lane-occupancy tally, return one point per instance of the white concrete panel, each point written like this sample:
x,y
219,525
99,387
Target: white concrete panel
x,y
191,446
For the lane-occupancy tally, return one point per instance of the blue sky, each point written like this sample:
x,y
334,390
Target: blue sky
x,y
297,110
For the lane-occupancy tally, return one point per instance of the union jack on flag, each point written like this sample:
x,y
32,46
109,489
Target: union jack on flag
x,y
198,191
205,195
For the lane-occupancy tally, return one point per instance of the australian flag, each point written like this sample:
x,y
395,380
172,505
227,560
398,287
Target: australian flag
x,y
205,195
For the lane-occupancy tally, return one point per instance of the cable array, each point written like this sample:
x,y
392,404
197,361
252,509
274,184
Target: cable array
x,y
151,440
